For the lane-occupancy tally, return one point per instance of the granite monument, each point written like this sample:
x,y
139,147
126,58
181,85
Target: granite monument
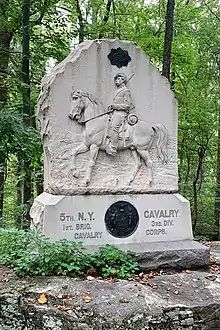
x,y
108,123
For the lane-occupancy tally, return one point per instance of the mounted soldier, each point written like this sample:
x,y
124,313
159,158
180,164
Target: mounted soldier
x,y
120,109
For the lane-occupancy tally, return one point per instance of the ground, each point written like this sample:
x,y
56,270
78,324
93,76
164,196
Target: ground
x,y
152,301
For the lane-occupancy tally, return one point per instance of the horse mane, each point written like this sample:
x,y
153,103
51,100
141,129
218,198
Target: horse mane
x,y
89,95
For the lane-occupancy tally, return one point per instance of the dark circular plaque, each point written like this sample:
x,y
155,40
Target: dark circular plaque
x,y
121,219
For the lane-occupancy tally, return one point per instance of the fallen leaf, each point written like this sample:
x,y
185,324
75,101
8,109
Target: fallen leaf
x,y
187,271
87,299
42,299
212,260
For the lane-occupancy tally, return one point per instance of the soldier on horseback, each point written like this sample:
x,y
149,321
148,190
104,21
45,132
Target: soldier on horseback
x,y
120,108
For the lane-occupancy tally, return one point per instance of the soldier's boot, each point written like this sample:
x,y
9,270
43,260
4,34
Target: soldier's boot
x,y
111,148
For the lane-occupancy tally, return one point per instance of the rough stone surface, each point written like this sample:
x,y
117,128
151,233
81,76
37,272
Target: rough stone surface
x,y
176,254
87,74
171,302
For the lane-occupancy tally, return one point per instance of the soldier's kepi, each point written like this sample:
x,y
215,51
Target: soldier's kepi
x,y
120,107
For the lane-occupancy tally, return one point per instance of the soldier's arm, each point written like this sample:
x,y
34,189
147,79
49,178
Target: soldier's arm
x,y
125,104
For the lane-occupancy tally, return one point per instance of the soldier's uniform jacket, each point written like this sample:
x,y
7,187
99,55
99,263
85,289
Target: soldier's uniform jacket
x,y
122,99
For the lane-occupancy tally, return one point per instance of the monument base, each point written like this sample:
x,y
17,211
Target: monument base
x,y
156,227
184,254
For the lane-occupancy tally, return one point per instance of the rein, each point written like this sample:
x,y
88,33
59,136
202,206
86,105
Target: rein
x,y
102,114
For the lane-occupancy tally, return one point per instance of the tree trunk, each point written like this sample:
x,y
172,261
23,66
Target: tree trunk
x,y
80,21
19,186
168,38
217,190
2,181
198,179
5,40
26,92
39,187
106,17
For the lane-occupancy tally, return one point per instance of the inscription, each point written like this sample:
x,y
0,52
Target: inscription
x,y
159,225
80,216
85,235
161,213
81,230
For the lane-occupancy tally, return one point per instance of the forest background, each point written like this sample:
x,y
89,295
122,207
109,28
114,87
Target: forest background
x,y
182,40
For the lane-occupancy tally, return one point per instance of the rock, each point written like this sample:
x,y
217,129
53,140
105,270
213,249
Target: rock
x,y
197,306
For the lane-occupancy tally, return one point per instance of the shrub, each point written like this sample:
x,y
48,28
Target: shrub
x,y
110,261
30,253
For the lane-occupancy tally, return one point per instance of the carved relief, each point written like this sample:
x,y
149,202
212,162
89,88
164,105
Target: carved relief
x,y
111,140
138,136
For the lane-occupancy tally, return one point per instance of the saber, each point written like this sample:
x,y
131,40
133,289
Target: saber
x,y
131,77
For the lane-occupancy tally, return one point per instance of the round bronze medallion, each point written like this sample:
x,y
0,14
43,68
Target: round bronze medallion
x,y
121,219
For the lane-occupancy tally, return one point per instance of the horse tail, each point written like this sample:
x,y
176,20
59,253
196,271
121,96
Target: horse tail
x,y
162,141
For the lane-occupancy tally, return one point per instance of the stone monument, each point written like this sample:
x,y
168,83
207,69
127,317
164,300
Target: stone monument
x,y
108,122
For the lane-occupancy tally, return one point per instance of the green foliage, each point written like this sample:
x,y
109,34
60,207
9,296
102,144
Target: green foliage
x,y
29,253
112,262
17,138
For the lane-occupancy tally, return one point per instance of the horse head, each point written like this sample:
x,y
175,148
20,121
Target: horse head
x,y
77,106
84,106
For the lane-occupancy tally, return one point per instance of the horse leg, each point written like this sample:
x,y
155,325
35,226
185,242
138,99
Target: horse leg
x,y
79,150
146,157
137,165
94,149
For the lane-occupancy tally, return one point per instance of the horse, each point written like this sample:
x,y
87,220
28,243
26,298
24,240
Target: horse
x,y
87,110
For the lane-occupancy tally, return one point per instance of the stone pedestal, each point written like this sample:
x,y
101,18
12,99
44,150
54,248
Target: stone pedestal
x,y
113,219
156,227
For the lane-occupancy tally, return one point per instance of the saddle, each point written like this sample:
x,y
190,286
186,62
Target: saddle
x,y
124,131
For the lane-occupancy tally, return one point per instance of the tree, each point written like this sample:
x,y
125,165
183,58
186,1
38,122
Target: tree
x,y
168,38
